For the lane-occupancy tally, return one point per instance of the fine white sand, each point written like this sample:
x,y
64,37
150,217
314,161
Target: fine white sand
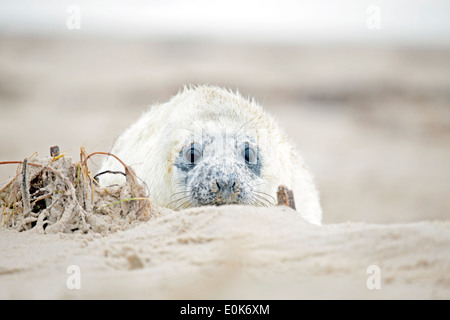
x,y
231,252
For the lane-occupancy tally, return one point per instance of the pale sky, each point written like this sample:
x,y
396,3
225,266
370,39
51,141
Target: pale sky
x,y
391,21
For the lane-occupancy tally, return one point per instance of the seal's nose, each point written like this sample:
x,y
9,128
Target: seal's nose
x,y
223,185
226,190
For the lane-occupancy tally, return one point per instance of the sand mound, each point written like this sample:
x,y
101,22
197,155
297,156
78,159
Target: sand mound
x,y
231,252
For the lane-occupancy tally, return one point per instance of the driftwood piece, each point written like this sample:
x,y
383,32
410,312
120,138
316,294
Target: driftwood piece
x,y
25,189
285,197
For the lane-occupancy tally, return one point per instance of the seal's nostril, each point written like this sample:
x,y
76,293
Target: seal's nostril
x,y
218,185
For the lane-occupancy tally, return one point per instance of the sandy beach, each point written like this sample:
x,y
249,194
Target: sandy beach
x,y
231,253
373,124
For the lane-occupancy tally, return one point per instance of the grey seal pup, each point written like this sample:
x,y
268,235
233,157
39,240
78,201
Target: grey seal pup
x,y
210,146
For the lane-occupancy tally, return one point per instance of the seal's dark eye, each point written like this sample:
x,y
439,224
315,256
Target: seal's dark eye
x,y
193,153
249,153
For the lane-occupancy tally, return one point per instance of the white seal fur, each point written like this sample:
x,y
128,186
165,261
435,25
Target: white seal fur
x,y
210,146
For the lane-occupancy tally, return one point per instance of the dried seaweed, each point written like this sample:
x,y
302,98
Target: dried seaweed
x,y
56,194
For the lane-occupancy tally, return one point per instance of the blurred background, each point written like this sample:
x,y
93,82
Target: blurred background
x,y
362,87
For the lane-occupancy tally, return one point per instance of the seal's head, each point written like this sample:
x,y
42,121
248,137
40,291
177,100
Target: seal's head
x,y
210,146
223,168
